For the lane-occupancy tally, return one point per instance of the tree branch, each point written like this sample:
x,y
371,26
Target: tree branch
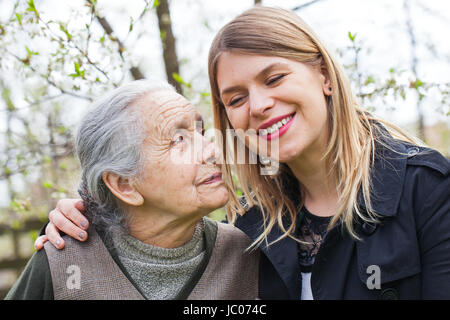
x,y
307,4
135,71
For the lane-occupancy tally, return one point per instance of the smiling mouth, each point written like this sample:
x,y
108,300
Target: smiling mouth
x,y
213,178
277,129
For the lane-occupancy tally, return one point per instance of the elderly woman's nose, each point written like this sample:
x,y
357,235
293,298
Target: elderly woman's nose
x,y
207,151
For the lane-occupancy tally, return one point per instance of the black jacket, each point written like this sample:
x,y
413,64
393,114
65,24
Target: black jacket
x,y
411,246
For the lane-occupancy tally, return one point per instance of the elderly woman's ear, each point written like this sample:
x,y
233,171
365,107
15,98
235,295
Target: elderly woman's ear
x,y
123,189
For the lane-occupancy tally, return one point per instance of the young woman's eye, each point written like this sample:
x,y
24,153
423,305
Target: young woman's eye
x,y
235,101
275,79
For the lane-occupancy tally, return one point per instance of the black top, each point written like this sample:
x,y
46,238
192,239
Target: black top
x,y
311,229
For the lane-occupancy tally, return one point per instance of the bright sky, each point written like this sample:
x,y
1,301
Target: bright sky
x,y
379,24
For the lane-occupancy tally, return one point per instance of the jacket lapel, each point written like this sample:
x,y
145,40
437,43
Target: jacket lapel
x,y
388,174
282,254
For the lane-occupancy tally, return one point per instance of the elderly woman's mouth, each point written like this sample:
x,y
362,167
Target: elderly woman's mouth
x,y
215,177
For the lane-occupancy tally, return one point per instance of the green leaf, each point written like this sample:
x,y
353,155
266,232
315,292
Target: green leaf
x,y
177,78
6,95
418,83
33,235
47,185
64,29
369,80
19,18
16,225
78,72
32,8
131,24
61,129
351,36
30,52
162,35
156,4
180,80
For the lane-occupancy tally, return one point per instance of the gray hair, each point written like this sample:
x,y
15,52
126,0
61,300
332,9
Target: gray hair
x,y
109,139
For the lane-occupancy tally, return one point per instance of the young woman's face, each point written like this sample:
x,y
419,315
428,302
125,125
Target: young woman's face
x,y
284,101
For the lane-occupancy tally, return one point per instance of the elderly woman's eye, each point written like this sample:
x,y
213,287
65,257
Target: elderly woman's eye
x,y
178,140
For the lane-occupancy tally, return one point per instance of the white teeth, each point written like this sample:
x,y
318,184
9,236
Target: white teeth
x,y
274,127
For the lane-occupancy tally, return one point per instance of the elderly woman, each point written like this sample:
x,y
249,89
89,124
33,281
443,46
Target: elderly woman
x,y
149,178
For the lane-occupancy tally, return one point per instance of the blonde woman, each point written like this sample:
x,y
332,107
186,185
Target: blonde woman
x,y
357,210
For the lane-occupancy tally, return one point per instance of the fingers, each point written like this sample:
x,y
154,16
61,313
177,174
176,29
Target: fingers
x,y
39,243
53,236
71,209
59,221
79,204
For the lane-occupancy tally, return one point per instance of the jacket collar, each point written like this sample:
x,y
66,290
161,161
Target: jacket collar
x,y
282,254
387,178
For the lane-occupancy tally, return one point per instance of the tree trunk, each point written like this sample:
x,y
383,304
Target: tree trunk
x,y
168,43
414,65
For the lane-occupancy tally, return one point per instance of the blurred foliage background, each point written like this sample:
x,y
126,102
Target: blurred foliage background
x,y
57,56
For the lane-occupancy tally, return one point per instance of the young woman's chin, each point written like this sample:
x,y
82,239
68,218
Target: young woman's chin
x,y
288,153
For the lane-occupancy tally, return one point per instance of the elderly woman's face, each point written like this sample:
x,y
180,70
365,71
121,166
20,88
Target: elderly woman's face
x,y
180,175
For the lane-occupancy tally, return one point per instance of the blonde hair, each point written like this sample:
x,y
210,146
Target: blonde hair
x,y
352,131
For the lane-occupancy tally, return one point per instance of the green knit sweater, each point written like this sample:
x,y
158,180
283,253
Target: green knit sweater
x,y
161,273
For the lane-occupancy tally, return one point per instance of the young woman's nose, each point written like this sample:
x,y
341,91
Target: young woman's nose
x,y
260,102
